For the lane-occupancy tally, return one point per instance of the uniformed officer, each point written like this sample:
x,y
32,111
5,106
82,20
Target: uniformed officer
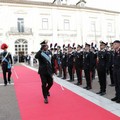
x,y
116,70
88,66
6,64
79,64
64,62
111,65
102,67
45,70
59,57
70,63
94,61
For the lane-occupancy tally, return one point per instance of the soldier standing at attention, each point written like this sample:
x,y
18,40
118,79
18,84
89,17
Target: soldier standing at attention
x,y
45,70
79,64
102,67
111,65
116,70
88,66
64,63
70,63
6,63
59,56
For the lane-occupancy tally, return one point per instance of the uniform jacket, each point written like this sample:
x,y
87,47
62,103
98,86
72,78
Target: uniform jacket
x,y
88,62
117,59
9,59
45,66
79,59
70,61
103,60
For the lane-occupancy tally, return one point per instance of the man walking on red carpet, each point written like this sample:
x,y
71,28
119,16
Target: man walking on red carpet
x,y
45,70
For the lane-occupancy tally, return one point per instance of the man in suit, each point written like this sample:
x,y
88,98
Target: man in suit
x,y
45,70
6,64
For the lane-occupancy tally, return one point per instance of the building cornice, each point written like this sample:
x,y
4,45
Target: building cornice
x,y
27,2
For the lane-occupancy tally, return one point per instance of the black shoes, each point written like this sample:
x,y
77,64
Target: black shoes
x,y
118,101
103,93
114,99
70,80
77,83
87,88
46,101
99,92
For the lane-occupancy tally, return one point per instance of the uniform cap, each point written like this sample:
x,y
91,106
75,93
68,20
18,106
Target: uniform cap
x,y
86,44
103,43
58,47
80,46
116,41
4,46
44,42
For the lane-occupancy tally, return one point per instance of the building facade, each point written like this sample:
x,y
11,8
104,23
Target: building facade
x,y
24,24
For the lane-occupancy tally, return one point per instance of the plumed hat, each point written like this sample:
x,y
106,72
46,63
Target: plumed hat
x,y
4,46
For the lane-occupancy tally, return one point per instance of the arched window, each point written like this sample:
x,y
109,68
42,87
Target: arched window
x,y
21,46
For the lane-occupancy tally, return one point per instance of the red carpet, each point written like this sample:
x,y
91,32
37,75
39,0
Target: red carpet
x,y
63,105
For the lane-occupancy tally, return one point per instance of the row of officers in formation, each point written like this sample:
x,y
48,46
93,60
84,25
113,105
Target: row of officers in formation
x,y
105,61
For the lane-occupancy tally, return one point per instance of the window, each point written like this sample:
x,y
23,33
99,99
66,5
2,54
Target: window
x,y
66,24
93,26
20,23
21,45
109,27
44,23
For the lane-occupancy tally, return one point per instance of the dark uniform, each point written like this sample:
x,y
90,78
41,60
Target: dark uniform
x,y
64,64
79,66
70,64
94,62
6,64
59,57
45,71
116,74
111,53
102,67
88,66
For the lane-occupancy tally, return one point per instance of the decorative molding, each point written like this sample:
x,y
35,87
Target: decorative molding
x,y
67,35
38,3
42,34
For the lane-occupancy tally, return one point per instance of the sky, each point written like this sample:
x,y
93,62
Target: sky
x,y
102,4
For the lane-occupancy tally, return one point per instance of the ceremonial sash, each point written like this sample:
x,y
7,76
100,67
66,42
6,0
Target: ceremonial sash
x,y
46,57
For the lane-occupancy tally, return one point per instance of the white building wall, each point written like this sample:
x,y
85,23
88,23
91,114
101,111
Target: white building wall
x,y
80,23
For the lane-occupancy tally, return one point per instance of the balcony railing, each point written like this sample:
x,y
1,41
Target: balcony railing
x,y
14,31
